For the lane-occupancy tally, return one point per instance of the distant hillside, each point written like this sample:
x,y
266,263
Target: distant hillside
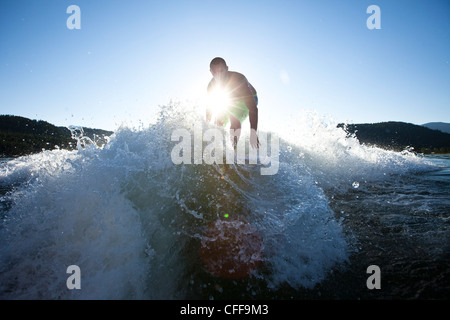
x,y
22,136
400,135
441,126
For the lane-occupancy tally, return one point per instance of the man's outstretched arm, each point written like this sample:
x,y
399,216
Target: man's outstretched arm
x,y
253,117
208,114
252,112
208,109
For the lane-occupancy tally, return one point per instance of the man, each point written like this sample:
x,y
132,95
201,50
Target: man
x,y
243,101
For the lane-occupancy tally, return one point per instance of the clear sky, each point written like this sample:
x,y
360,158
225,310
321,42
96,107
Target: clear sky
x,y
131,56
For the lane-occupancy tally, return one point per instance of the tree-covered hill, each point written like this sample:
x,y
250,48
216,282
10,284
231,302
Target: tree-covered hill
x,y
22,136
399,136
441,126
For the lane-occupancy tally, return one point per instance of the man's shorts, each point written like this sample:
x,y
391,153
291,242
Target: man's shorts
x,y
239,110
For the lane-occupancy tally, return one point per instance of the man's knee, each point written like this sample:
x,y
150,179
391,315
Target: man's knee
x,y
235,124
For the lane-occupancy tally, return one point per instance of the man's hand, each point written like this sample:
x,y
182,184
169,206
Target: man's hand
x,y
254,141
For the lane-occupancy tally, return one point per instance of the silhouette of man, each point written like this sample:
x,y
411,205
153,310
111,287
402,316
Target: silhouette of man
x,y
242,101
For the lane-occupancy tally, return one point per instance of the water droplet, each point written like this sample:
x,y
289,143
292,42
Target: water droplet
x,y
355,184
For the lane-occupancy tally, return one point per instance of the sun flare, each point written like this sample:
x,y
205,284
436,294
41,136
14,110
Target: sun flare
x,y
218,101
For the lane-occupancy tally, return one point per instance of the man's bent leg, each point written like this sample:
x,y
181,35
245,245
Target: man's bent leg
x,y
235,130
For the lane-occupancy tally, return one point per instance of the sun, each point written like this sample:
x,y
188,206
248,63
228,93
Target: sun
x,y
219,101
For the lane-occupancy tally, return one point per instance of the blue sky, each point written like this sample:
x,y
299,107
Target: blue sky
x,y
129,57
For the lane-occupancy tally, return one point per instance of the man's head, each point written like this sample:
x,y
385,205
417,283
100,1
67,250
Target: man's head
x,y
219,69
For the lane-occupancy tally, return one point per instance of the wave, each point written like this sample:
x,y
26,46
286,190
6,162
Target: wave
x,y
135,222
